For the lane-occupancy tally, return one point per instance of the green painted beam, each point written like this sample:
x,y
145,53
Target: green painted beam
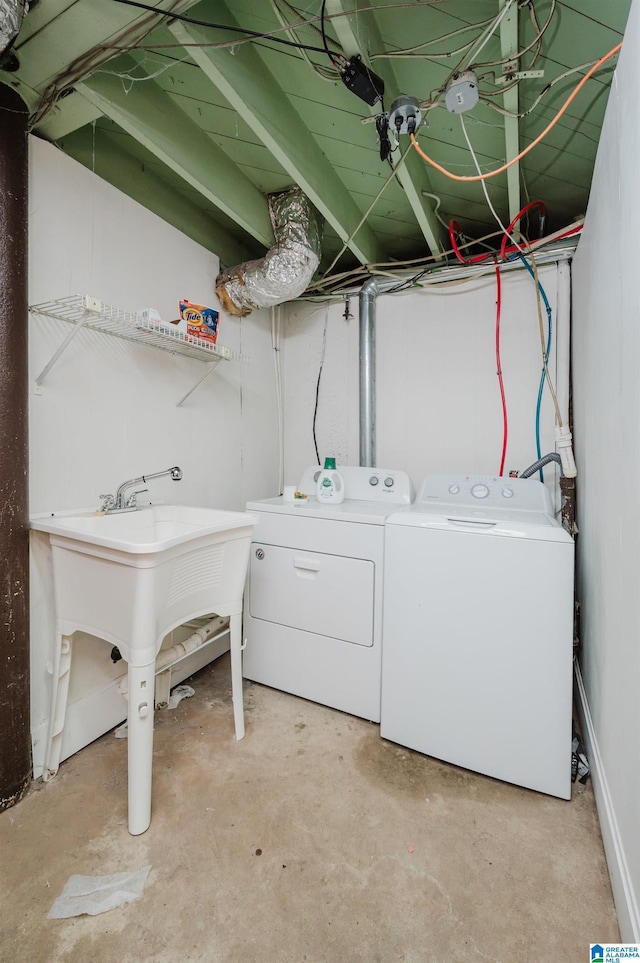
x,y
69,114
509,48
58,35
100,153
360,35
241,76
150,116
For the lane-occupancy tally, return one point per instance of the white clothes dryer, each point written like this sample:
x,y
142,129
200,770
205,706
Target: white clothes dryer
x,y
313,601
478,630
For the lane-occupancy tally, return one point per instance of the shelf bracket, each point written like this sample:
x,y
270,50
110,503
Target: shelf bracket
x,y
86,314
210,368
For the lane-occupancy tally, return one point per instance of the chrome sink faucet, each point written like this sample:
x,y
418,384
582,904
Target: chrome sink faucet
x,y
124,502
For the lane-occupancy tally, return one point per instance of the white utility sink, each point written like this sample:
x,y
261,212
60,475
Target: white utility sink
x,y
146,530
129,578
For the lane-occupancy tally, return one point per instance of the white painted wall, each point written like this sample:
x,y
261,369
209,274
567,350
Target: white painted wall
x,y
438,402
606,366
107,411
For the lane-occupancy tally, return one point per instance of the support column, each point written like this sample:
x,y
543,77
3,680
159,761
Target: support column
x,y
15,740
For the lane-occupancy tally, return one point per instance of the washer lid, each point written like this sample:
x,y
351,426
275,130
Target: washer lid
x,y
489,521
350,510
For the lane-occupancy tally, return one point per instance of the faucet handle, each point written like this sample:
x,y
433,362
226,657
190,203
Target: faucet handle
x,y
108,503
132,499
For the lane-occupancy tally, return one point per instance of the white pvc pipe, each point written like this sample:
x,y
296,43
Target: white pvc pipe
x,y
563,339
207,633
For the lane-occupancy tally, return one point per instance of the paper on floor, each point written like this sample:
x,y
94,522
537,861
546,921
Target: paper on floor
x,y
92,895
179,693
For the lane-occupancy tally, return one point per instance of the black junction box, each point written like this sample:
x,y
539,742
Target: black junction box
x,y
362,81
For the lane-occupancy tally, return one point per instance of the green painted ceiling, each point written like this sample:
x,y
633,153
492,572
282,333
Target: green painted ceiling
x,y
199,123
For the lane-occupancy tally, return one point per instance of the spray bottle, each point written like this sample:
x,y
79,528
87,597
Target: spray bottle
x,y
330,484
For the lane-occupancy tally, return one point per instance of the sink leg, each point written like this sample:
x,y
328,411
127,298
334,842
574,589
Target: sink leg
x,y
61,671
235,626
140,748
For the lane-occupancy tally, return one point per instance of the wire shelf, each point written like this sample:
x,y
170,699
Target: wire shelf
x,y
89,312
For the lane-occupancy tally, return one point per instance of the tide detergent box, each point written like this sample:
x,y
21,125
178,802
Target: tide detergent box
x,y
202,322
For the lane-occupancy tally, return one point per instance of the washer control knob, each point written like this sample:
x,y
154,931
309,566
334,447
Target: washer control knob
x,y
454,489
507,492
374,480
259,554
479,491
388,482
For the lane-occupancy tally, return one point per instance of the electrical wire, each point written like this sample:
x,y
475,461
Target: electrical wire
x,y
505,429
195,21
82,66
536,40
409,52
540,292
307,22
394,172
505,420
438,201
315,410
534,143
324,36
492,29
325,73
543,92
276,318
517,219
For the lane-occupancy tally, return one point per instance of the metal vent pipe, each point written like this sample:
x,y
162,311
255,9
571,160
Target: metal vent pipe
x,y
367,319
367,298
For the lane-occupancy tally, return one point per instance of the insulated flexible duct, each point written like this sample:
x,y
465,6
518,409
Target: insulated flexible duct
x,y
11,14
287,267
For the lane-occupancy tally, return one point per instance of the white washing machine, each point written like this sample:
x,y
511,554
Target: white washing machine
x,y
478,630
313,602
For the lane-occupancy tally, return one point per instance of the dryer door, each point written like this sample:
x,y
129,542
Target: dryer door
x,y
329,595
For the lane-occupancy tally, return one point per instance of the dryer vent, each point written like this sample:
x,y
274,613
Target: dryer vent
x,y
287,267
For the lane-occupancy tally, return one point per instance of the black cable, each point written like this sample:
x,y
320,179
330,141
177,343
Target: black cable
x,y
315,411
405,285
322,356
324,36
222,26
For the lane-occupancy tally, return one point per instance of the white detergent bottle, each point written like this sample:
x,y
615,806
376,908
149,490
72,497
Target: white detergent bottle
x,y
330,488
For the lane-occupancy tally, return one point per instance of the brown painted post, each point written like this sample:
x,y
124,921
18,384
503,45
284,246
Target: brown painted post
x,y
15,739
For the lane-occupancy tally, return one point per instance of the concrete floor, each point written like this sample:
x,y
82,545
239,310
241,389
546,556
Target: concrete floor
x,y
310,840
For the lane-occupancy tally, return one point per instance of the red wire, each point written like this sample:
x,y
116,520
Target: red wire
x,y
453,227
504,251
505,425
518,216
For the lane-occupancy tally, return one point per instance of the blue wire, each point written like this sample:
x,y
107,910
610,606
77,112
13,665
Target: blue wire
x,y
547,349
